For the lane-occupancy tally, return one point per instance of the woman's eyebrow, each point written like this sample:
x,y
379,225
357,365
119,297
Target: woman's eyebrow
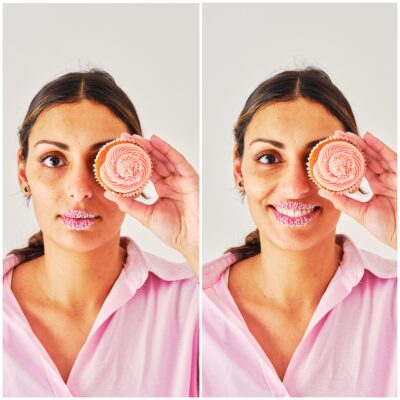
x,y
275,143
64,146
281,145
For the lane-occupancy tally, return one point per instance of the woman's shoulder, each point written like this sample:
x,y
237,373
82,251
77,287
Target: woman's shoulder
x,y
384,267
213,269
9,262
12,261
378,265
362,259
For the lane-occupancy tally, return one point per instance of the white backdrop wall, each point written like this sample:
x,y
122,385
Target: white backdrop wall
x,y
243,44
152,52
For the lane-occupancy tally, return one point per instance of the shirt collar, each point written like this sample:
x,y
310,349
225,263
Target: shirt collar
x,y
354,262
213,269
10,262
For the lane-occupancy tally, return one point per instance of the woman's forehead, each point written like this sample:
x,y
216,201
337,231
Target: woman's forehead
x,y
85,121
299,121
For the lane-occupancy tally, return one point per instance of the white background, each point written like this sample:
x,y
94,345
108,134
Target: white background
x,y
245,44
151,51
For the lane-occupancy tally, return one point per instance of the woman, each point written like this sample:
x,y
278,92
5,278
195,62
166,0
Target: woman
x,y
86,312
298,310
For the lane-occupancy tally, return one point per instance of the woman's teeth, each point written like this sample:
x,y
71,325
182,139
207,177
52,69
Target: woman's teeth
x,y
294,213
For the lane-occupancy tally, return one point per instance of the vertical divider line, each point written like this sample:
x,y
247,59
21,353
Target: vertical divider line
x,y
200,5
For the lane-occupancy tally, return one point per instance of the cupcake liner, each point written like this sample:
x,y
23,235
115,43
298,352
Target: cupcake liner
x,y
100,159
313,156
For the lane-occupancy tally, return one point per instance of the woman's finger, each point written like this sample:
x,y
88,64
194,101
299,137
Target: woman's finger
x,y
161,168
383,150
383,184
176,161
356,209
161,183
374,165
132,207
125,135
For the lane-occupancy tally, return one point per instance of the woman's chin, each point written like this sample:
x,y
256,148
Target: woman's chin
x,y
78,241
292,243
294,234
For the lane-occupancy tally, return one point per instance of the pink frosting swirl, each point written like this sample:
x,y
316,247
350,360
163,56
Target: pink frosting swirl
x,y
339,166
126,168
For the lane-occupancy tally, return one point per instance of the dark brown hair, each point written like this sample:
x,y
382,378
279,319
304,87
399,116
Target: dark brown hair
x,y
95,85
309,83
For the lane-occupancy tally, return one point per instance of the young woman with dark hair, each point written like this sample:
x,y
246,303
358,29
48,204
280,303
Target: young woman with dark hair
x,y
298,310
87,312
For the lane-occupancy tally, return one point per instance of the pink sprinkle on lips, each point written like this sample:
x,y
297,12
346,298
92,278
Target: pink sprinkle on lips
x,y
294,213
78,220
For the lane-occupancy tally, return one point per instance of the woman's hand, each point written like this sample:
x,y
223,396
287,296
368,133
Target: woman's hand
x,y
379,214
174,217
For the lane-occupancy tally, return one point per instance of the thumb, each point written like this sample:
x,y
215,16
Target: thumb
x,y
130,206
354,208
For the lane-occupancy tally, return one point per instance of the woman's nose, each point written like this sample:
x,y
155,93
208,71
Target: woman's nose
x,y
80,183
295,183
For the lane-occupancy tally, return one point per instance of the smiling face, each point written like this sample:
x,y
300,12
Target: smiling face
x,y
69,204
283,202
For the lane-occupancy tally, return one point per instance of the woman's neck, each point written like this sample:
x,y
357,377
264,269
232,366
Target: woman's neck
x,y
79,280
296,278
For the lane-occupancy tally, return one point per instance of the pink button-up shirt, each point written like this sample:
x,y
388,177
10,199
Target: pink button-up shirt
x,y
348,349
144,341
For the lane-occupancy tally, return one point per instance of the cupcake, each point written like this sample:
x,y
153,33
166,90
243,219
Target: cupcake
x,y
122,167
336,165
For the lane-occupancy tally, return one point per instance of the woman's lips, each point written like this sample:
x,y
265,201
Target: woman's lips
x,y
295,218
78,220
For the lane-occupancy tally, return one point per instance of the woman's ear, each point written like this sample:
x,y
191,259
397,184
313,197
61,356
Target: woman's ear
x,y
237,167
22,179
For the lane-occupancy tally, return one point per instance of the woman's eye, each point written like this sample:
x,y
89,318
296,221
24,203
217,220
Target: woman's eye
x,y
52,161
267,159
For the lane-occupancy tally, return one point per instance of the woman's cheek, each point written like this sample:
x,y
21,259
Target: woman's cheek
x,y
40,173
47,183
331,210
261,181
